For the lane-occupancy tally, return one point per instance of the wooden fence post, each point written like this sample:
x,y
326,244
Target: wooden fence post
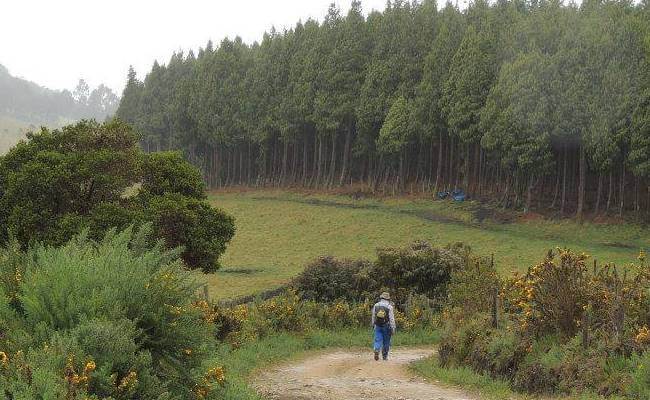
x,y
495,308
585,328
206,294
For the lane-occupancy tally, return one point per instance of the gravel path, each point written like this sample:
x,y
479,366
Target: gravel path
x,y
348,375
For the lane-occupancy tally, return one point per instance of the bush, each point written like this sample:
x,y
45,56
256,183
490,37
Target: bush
x,y
328,279
168,172
472,288
202,231
417,269
562,327
110,319
61,182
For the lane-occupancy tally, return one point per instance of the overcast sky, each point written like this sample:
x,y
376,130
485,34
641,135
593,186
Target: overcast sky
x,y
56,42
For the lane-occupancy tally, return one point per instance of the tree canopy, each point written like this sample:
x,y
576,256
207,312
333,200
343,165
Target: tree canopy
x,y
531,104
93,177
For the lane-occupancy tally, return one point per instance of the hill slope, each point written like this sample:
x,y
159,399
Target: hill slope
x,y
25,105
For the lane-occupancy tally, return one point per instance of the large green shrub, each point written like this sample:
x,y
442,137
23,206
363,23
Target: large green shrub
x,y
94,176
112,318
416,269
419,268
201,230
168,172
327,279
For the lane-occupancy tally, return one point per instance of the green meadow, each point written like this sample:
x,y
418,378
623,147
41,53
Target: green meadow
x,y
279,232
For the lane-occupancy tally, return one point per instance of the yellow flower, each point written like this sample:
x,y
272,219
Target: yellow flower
x,y
216,374
4,359
642,255
643,336
90,367
129,381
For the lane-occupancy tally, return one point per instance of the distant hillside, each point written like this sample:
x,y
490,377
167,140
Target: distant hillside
x,y
11,131
25,105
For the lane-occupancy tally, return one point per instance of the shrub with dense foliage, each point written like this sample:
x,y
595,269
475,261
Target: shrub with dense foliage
x,y
94,176
417,269
109,319
563,327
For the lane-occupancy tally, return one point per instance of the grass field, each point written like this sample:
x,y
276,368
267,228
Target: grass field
x,y
278,232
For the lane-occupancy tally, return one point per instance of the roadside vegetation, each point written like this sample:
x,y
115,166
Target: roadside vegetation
x,y
125,290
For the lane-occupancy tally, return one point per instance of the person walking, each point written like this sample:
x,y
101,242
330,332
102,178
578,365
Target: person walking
x,y
383,323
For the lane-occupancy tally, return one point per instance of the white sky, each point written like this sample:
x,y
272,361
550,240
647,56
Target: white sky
x,y
56,42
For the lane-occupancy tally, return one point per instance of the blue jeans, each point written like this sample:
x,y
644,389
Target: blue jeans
x,y
382,339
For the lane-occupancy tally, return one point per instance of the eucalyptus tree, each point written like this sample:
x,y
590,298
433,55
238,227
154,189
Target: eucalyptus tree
x,y
429,106
465,91
517,124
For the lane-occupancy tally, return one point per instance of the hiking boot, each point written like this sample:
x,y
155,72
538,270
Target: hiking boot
x,y
384,356
376,356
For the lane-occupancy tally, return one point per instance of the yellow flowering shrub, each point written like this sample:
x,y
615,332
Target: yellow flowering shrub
x,y
642,337
214,377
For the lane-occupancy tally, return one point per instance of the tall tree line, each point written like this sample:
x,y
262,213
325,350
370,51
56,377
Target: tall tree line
x,y
534,104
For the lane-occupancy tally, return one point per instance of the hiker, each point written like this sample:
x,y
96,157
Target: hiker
x,y
383,323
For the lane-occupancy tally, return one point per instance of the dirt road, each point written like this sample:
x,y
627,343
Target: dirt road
x,y
348,375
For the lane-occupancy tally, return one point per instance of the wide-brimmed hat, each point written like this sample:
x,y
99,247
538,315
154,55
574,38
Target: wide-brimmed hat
x,y
385,296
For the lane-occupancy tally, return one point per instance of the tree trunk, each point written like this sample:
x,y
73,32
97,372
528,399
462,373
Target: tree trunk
x,y
506,192
241,166
563,201
330,178
319,174
610,191
294,163
529,193
346,157
636,194
622,190
582,183
305,152
451,162
557,188
598,193
439,168
468,152
285,157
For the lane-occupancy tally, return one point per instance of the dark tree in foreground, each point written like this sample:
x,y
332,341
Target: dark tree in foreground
x,y
94,176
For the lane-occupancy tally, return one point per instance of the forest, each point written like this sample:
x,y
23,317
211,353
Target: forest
x,y
529,104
